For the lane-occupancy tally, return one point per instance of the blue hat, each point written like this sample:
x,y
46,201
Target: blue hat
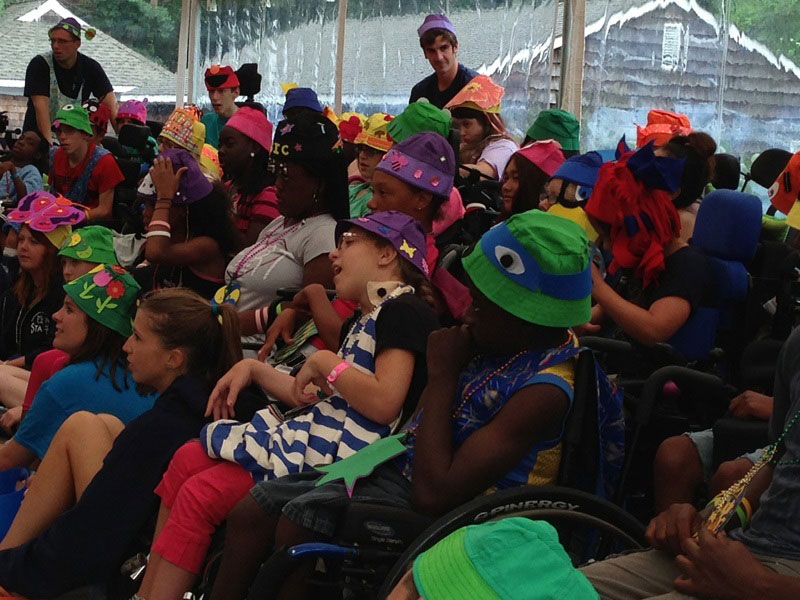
x,y
305,97
582,170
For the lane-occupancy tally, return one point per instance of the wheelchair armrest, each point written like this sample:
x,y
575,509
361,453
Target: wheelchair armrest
x,y
288,293
321,549
376,523
605,345
701,387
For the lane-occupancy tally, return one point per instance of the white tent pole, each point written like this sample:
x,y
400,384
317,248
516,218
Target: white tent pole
x,y
337,102
573,47
194,12
183,42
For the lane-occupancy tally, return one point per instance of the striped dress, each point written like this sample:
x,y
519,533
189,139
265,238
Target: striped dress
x,y
331,429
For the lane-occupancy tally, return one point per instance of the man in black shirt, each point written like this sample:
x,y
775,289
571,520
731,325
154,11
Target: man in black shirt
x,y
437,38
63,76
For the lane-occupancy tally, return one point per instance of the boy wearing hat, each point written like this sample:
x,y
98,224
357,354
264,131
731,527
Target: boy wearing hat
x,y
63,76
82,171
222,84
372,142
301,100
437,38
559,125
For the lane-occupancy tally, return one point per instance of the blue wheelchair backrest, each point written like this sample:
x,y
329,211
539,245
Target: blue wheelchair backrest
x,y
727,230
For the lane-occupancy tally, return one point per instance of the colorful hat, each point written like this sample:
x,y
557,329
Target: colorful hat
x,y
305,97
559,125
254,124
184,130
435,22
220,78
425,161
99,115
375,134
786,189
657,172
535,266
307,139
194,185
350,125
496,560
209,163
51,215
662,126
403,232
73,27
546,155
481,93
417,117
92,243
133,109
107,294
75,116
581,170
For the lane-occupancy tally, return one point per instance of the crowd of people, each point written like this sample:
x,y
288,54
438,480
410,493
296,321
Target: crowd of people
x,y
303,292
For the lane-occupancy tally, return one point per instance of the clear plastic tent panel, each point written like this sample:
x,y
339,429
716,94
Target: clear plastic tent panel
x,y
296,42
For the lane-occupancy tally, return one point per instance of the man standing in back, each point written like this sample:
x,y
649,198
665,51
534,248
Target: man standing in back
x,y
437,38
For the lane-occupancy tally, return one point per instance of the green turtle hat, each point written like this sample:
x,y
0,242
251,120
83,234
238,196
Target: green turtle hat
x,y
559,125
92,243
108,295
536,266
75,116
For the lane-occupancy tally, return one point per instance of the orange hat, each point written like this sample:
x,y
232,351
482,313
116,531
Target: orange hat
x,y
481,93
786,189
662,126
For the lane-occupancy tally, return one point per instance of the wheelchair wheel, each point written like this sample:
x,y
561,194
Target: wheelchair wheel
x,y
588,526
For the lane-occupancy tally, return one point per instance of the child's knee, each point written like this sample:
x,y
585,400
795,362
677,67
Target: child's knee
x,y
678,456
729,473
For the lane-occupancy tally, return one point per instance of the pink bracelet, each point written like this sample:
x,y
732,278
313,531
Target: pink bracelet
x,y
262,318
161,223
336,371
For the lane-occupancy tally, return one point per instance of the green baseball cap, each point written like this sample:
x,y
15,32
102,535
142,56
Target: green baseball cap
x,y
509,559
417,117
75,116
559,125
536,266
108,295
92,243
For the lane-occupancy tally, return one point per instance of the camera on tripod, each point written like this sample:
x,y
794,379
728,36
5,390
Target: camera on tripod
x,y
7,136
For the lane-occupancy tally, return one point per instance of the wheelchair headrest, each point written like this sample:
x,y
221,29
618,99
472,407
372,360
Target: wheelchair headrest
x,y
728,225
731,281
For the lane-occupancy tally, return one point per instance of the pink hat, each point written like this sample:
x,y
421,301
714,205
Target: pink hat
x,y
546,155
133,109
254,124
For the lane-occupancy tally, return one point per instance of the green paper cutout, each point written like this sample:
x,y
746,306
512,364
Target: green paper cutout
x,y
362,463
87,287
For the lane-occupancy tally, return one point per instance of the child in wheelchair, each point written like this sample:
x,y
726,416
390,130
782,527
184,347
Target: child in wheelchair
x,y
492,415
373,382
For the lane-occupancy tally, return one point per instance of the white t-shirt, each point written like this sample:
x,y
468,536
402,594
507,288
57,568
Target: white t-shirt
x,y
497,153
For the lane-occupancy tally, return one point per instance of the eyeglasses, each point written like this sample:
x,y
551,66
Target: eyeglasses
x,y
60,42
368,150
348,238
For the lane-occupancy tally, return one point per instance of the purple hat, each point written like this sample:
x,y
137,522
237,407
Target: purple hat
x,y
425,161
404,233
435,22
302,97
194,186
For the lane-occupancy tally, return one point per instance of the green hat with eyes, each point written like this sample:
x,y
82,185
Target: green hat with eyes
x,y
108,295
536,266
92,243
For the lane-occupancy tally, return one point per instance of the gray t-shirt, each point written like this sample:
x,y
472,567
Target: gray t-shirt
x,y
775,528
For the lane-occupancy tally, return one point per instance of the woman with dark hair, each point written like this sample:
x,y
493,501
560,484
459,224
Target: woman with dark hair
x,y
292,251
21,169
96,379
526,176
244,145
190,234
485,143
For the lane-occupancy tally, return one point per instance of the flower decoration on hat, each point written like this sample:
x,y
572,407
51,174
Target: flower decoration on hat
x,y
106,294
349,129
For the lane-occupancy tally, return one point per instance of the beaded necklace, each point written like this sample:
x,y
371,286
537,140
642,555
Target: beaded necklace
x,y
269,240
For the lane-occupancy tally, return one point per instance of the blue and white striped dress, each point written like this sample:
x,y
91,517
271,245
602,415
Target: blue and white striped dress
x,y
268,447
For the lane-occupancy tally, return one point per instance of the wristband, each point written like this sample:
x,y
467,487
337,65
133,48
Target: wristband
x,y
165,234
336,371
161,223
278,308
261,319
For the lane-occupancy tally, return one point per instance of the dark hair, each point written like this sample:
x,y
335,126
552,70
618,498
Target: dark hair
x,y
531,185
211,216
24,288
257,177
103,346
429,37
43,162
464,112
183,319
697,148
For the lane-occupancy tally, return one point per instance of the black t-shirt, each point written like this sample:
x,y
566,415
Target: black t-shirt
x,y
686,275
429,87
87,72
405,323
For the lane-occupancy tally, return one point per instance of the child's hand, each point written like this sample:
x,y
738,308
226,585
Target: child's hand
x,y
165,180
307,381
223,396
449,349
282,326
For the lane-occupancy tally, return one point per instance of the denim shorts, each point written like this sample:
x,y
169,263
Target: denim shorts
x,y
320,508
704,442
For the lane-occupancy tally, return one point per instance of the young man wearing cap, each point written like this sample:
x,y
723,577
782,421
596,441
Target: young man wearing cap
x,y
222,84
437,38
63,76
81,170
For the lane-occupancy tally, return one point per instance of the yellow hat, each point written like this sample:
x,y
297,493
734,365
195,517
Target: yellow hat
x,y
184,130
209,163
374,133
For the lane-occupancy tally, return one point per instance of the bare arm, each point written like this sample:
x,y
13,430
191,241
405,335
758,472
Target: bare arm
x,y
110,100
104,207
327,320
482,166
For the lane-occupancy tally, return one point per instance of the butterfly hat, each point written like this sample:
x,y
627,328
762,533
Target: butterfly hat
x,y
51,215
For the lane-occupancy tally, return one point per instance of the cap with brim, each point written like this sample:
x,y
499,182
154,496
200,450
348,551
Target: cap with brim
x,y
495,561
51,215
425,161
92,243
582,169
557,124
220,78
302,97
437,21
536,267
546,155
375,134
785,191
254,124
108,295
403,232
417,117
481,93
75,116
